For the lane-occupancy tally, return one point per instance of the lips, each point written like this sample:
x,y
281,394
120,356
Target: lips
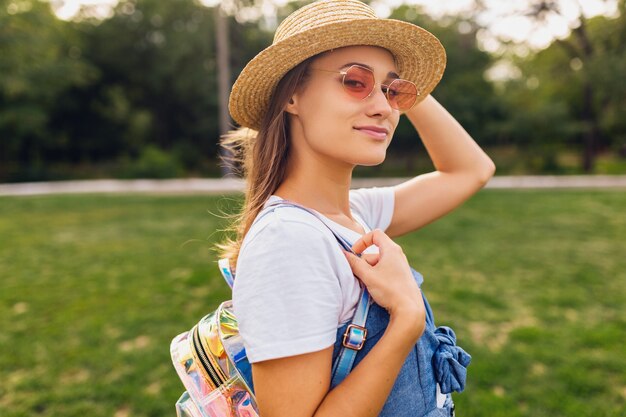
x,y
373,131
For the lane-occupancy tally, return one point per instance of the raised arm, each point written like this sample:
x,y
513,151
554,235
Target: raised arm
x,y
462,168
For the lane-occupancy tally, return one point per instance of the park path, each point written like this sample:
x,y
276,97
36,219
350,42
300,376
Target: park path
x,y
226,185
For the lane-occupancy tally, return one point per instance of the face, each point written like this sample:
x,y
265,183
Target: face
x,y
329,122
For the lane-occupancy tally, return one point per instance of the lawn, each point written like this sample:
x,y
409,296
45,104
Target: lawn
x,y
93,288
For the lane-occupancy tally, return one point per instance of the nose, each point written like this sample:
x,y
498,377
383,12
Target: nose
x,y
379,105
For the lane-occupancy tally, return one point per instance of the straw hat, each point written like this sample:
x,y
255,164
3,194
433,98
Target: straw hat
x,y
331,24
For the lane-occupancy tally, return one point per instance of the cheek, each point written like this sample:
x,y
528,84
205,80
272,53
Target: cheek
x,y
395,120
327,119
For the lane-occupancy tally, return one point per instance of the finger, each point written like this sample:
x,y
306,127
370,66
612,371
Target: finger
x,y
359,266
363,242
375,237
371,258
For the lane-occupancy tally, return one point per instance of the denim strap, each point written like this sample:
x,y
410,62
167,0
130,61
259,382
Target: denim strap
x,y
345,360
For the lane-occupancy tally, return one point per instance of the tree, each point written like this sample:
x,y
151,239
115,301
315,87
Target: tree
x,y
157,57
463,90
41,58
574,69
159,65
224,83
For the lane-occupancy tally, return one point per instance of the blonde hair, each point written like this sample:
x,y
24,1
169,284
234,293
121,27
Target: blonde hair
x,y
263,157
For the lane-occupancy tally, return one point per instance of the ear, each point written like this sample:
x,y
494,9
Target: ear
x,y
292,105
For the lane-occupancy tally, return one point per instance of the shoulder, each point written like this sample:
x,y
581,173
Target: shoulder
x,y
287,225
285,247
289,268
375,205
371,196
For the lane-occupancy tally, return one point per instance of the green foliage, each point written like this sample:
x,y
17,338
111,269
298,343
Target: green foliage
x,y
159,81
463,90
94,288
152,163
41,58
92,93
566,92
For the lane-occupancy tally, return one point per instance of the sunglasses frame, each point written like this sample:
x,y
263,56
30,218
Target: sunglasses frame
x,y
345,72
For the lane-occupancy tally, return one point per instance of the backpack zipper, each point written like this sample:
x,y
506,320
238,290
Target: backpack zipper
x,y
209,373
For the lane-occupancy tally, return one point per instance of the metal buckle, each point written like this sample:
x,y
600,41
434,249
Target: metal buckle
x,y
354,337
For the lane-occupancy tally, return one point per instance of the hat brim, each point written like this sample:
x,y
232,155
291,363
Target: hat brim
x,y
419,55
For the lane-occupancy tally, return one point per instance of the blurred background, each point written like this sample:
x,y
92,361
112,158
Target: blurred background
x,y
93,287
132,89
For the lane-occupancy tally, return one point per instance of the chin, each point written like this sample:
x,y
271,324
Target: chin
x,y
371,160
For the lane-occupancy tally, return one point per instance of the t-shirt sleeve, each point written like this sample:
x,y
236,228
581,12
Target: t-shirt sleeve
x,y
375,205
286,296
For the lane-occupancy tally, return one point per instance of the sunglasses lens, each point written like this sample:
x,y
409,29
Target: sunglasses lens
x,y
358,82
402,94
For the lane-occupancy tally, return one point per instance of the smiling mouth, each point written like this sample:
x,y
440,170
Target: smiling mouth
x,y
373,133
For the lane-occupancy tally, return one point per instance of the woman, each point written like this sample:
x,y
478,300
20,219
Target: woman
x,y
325,97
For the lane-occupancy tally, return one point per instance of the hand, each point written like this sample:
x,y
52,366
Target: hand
x,y
387,275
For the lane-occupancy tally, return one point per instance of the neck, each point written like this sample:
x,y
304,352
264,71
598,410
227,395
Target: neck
x,y
318,183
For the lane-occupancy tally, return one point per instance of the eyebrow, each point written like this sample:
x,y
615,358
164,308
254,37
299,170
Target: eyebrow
x,y
390,74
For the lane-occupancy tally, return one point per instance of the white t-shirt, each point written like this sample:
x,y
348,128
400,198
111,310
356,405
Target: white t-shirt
x,y
293,285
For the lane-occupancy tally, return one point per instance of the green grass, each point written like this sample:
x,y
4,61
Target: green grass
x,y
93,288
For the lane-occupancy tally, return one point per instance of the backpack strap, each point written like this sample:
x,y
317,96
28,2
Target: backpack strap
x,y
353,340
355,335
227,272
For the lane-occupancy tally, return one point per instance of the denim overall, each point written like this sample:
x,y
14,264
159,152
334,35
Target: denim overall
x,y
434,359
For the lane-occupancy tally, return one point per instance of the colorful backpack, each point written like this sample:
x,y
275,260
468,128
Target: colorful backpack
x,y
211,361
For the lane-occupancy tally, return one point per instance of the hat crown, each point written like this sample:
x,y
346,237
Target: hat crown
x,y
321,13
